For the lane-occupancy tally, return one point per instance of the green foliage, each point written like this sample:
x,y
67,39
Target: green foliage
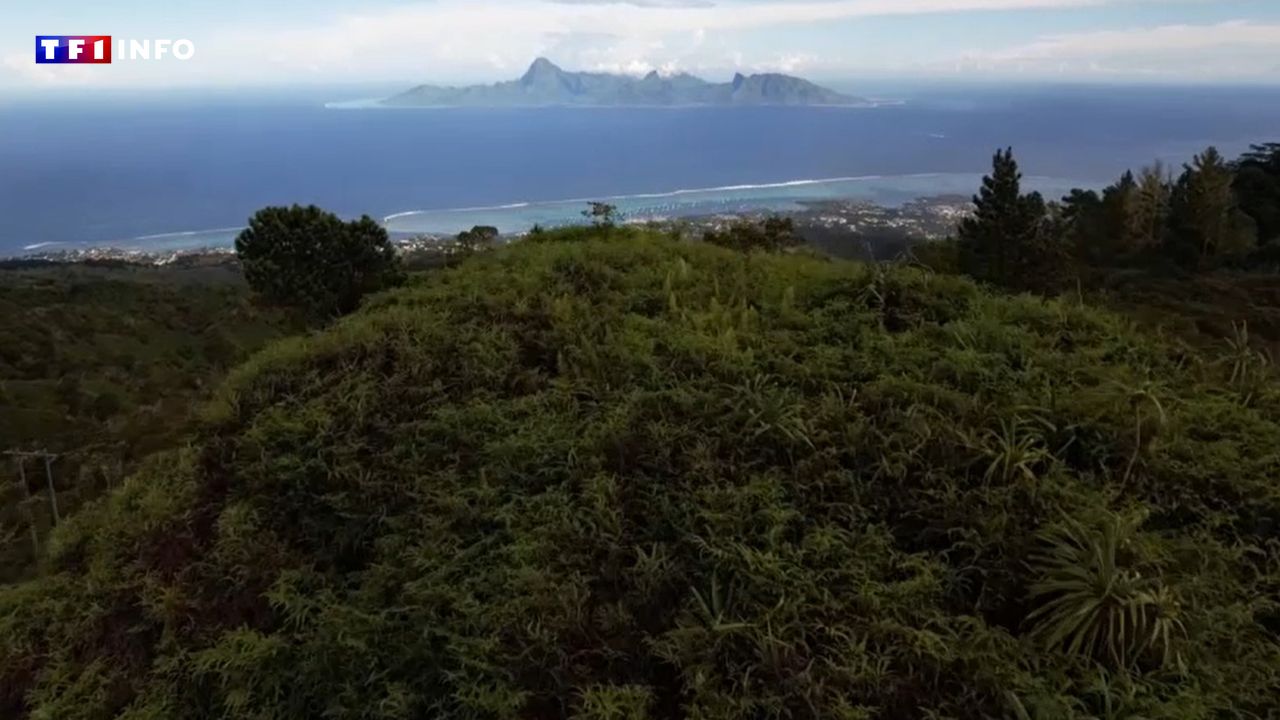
x,y
1098,598
649,479
1213,215
601,215
1207,222
773,234
478,239
941,256
1257,186
103,366
310,260
1008,241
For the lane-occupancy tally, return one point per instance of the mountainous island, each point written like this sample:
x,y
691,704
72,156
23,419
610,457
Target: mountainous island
x,y
546,84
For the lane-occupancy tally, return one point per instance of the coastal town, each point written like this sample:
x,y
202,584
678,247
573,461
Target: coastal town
x,y
843,228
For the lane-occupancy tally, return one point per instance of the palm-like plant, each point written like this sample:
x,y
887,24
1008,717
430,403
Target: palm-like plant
x,y
1097,602
1016,452
1248,366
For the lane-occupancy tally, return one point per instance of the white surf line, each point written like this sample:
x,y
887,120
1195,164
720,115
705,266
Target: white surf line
x,y
184,233
512,206
672,193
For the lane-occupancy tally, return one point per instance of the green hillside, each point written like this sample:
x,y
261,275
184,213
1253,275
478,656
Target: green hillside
x,y
103,365
633,478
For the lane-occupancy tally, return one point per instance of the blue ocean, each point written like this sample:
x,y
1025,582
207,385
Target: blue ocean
x,y
187,169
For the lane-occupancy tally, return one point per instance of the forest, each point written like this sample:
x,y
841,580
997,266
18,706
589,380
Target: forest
x,y
608,473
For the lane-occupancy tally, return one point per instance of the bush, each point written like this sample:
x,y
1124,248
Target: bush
x,y
309,259
772,234
478,239
650,479
106,406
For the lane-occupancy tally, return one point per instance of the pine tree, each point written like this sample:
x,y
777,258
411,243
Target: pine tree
x,y
1083,224
1005,242
1117,208
1257,187
1206,218
1149,210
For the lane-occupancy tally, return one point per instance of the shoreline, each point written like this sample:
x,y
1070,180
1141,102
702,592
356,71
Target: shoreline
x,y
790,197
838,220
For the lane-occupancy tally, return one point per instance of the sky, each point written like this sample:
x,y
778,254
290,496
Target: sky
x,y
273,42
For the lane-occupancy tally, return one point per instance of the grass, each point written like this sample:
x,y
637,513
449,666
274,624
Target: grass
x,y
634,478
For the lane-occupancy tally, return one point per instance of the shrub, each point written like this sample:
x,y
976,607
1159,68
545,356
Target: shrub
x,y
309,259
770,235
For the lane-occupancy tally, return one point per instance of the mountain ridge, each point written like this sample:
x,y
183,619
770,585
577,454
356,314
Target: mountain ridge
x,y
547,84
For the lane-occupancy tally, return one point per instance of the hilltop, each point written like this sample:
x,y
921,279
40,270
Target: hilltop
x,y
625,477
545,83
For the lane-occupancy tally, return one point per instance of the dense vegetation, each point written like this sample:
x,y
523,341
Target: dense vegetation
x,y
1214,215
310,260
102,366
630,478
771,235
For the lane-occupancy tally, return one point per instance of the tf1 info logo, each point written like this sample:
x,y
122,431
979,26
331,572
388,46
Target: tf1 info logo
x,y
96,49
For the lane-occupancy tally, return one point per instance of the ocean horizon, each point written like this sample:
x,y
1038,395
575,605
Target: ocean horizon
x,y
187,172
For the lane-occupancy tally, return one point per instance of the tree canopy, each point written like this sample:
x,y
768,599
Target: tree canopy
x,y
1007,241
772,234
477,239
1214,214
309,259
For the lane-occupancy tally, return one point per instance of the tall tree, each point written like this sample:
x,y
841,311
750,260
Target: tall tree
x,y
1084,225
1257,187
1148,212
1006,241
1206,219
1113,223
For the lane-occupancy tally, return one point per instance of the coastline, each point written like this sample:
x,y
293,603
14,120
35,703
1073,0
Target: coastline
x,y
789,197
841,227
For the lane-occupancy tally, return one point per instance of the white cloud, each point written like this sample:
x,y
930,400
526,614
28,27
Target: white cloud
x,y
1235,49
468,41
1167,38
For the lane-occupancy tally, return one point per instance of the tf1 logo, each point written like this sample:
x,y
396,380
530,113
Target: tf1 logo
x,y
96,49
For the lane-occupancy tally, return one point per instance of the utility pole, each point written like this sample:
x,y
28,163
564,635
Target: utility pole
x,y
20,457
26,502
53,494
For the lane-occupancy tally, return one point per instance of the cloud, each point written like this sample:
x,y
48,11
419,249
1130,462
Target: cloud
x,y
1238,48
463,40
468,41
1167,38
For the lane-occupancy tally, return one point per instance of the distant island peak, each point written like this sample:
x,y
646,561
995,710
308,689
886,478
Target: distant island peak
x,y
547,84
